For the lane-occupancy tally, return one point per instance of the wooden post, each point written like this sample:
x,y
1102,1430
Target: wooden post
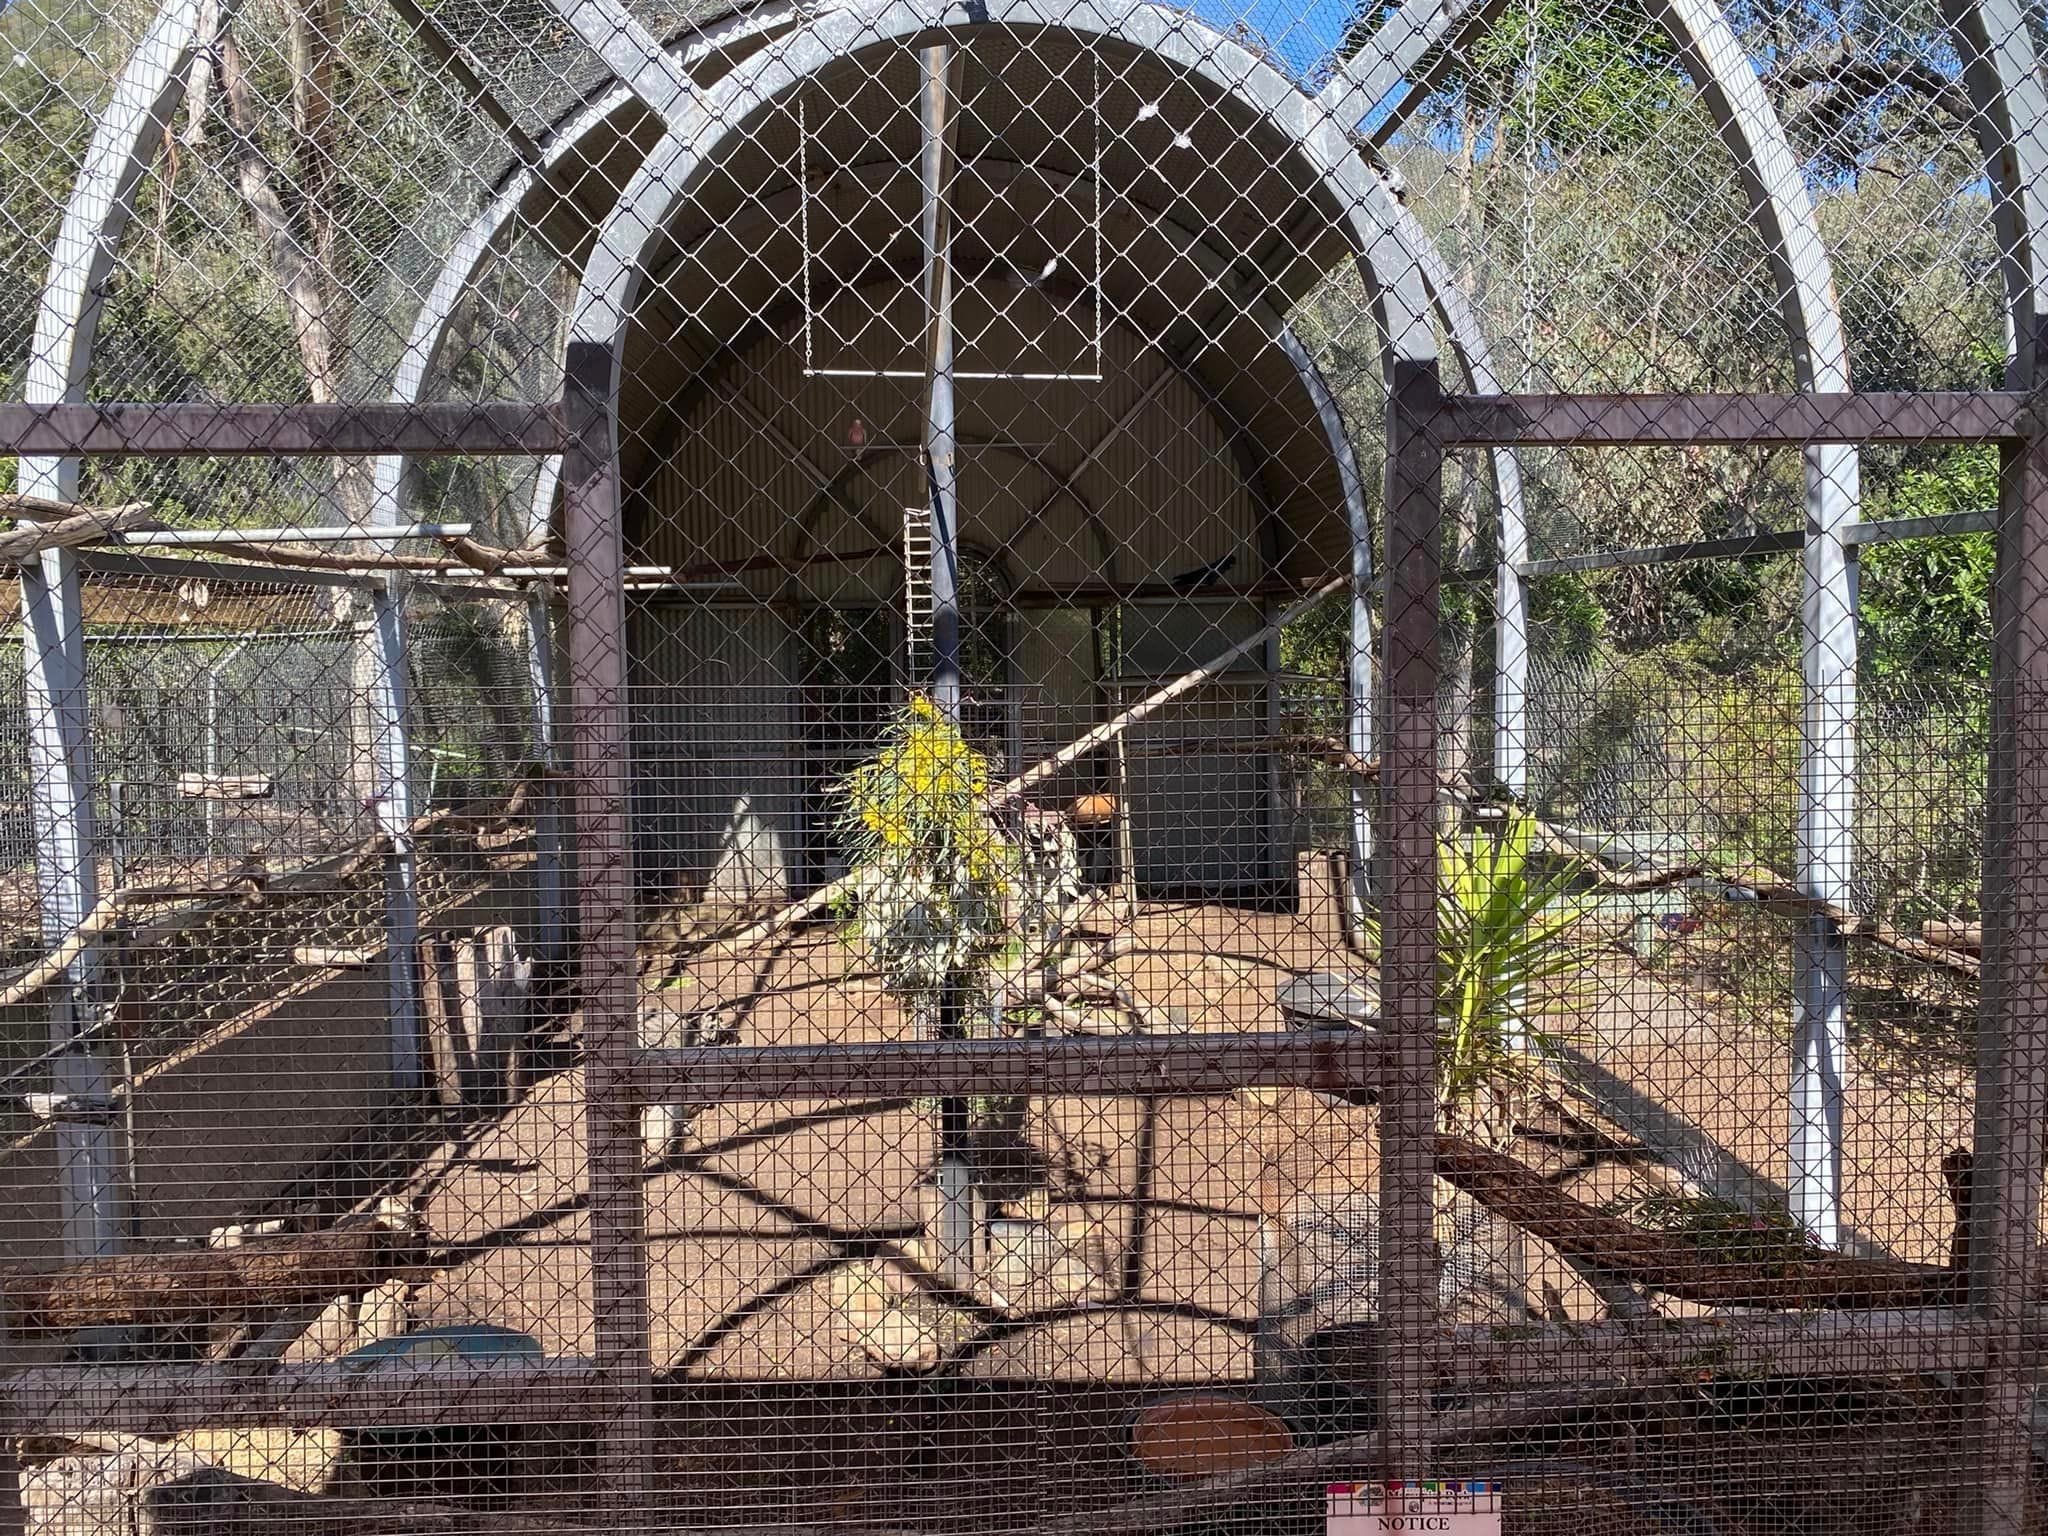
x,y
2012,1050
1407,894
608,992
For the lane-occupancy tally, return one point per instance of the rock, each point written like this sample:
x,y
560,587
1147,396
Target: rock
x,y
147,1489
1330,1000
301,1460
895,1325
1034,1265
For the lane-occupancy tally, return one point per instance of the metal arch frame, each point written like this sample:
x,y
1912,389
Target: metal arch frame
x,y
124,142
1828,642
611,283
473,247
595,358
1367,189
2000,74
147,94
1749,127
2010,105
1186,243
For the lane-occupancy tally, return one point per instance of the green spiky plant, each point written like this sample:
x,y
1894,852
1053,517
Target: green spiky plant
x,y
1506,934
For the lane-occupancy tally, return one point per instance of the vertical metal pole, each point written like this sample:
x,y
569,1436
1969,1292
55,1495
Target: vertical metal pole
x,y
1511,743
67,886
1279,846
607,992
391,767
549,878
935,116
1361,732
1826,841
955,1174
1408,899
2012,1035
1511,635
1511,676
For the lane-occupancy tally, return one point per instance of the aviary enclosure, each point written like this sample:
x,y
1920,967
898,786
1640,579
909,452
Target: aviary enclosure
x,y
1005,766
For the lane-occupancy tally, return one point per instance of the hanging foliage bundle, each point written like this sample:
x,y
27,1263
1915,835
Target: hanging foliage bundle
x,y
933,869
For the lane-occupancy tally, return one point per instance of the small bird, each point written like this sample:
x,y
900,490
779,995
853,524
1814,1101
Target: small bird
x,y
1203,576
856,434
1681,924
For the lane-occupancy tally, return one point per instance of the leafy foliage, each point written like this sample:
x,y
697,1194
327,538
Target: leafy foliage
x,y
1766,1238
1505,931
1927,602
932,868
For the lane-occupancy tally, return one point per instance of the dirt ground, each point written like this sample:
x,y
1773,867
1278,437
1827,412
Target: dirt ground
x,y
1186,1243
763,1220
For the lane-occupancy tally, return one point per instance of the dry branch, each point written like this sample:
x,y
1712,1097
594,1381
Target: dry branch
x,y
85,525
1766,1274
488,558
209,1284
1963,936
250,883
297,557
105,914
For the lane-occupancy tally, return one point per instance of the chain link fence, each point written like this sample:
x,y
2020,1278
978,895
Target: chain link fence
x,y
1081,768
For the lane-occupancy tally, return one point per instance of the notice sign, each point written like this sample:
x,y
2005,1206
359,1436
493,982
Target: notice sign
x,y
1414,1509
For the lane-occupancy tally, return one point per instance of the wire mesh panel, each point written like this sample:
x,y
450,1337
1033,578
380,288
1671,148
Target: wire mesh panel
x,y
1028,768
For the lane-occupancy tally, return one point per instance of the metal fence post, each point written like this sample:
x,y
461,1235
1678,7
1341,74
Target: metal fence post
x,y
549,873
67,888
2012,1050
391,770
1827,832
607,989
1408,916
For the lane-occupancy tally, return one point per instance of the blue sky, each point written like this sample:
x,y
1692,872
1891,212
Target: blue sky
x,y
1302,32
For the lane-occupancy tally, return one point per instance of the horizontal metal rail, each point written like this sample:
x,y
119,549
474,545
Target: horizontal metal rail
x,y
115,562
522,428
1875,1343
1735,421
163,1400
1941,526
1109,1067
180,537
1748,546
1462,421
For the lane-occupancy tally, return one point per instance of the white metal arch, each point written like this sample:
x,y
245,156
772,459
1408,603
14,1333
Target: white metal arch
x,y
1803,276
473,247
2002,75
699,123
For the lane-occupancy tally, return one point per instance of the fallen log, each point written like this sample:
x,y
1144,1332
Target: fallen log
x,y
209,1285
1765,1273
